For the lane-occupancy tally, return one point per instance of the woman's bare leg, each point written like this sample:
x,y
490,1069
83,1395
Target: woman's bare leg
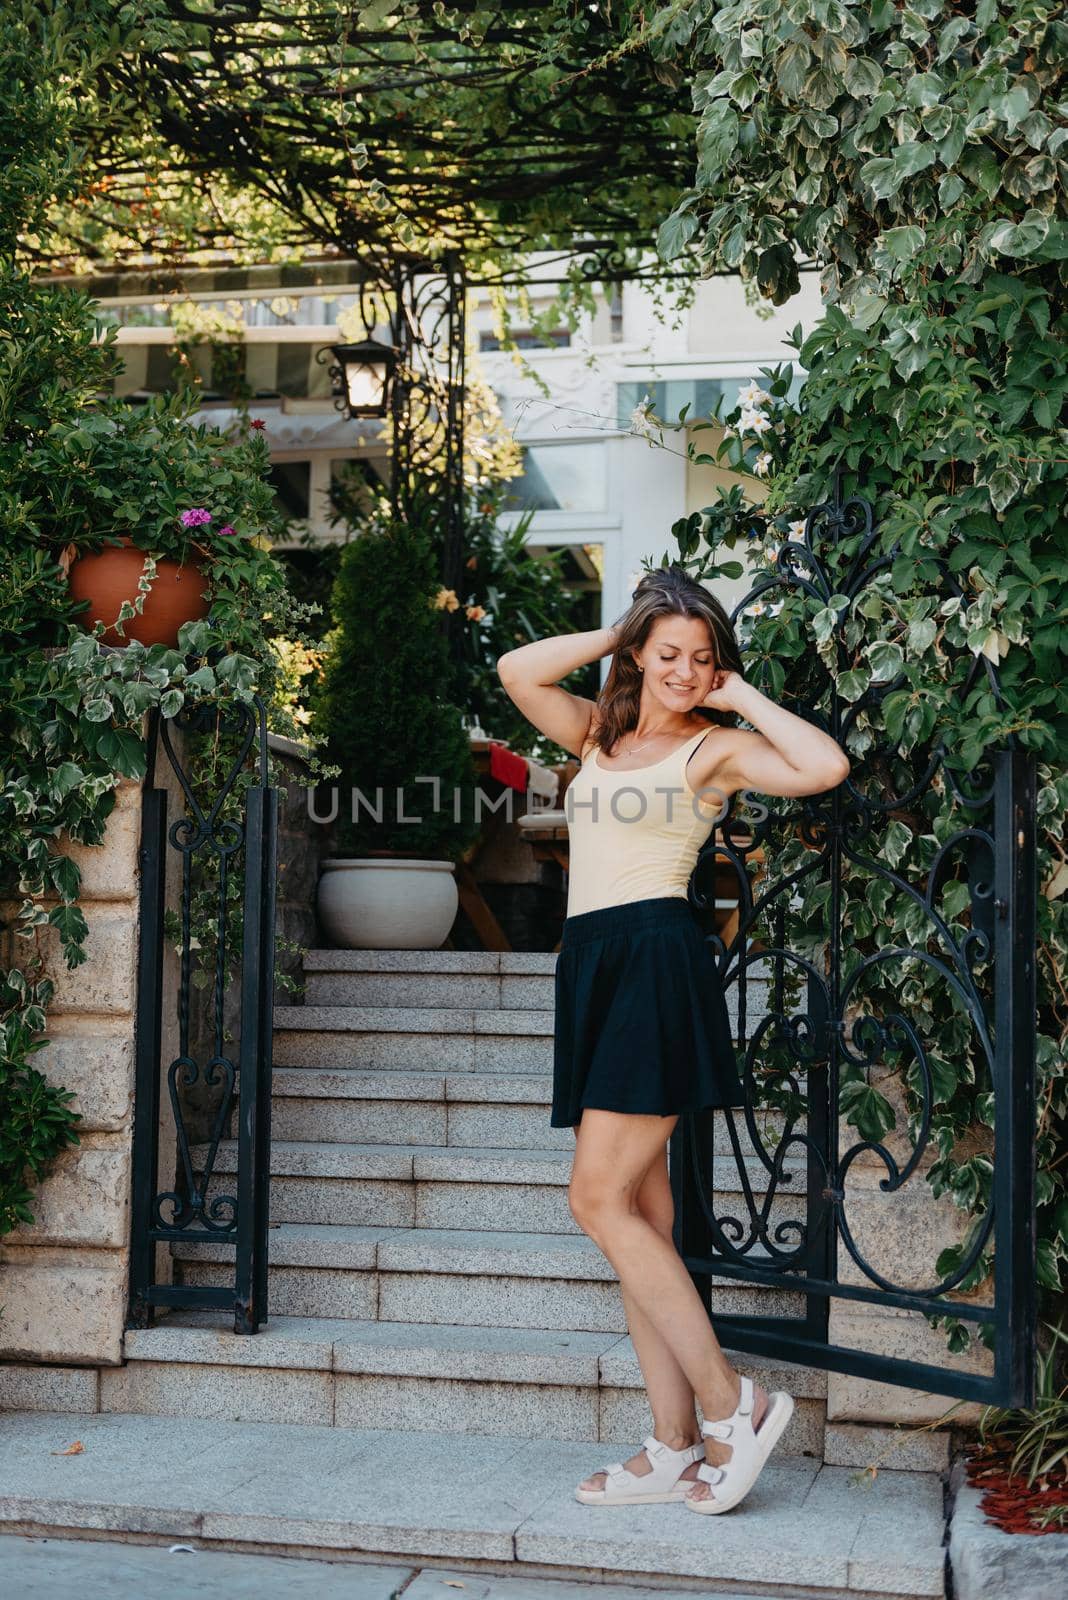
x,y
613,1153
671,1397
667,1386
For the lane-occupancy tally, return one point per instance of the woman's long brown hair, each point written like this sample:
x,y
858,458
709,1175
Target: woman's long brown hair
x,y
666,592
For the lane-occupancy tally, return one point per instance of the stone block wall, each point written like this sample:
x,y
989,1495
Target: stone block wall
x,y
63,1278
901,1235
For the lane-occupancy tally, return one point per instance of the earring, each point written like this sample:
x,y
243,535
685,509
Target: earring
x,y
640,667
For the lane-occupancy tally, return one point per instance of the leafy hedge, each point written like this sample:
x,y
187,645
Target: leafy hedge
x,y
386,743
916,157
76,468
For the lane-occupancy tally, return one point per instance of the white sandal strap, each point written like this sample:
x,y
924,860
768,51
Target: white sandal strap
x,y
709,1474
723,1427
656,1448
717,1430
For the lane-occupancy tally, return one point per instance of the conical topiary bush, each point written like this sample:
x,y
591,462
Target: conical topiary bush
x,y
383,704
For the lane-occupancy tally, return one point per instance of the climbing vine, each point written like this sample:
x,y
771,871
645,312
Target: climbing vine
x,y
915,156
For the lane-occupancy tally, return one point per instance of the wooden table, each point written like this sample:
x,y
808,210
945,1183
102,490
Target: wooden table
x,y
472,900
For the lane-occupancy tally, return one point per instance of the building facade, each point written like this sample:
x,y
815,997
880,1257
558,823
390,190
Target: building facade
x,y
590,481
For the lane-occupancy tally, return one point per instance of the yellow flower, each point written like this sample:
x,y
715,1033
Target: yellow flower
x,y
476,613
445,600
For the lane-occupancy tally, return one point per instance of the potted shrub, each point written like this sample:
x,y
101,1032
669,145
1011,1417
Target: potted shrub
x,y
389,727
142,506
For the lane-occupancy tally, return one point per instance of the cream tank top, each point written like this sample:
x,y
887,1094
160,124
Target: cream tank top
x,y
634,834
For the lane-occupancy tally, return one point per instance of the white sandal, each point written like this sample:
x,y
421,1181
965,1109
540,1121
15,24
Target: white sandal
x,y
750,1450
662,1483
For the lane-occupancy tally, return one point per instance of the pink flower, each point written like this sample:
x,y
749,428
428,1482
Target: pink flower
x,y
195,518
224,533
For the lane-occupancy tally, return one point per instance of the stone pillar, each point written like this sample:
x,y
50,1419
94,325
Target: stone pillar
x,y
63,1278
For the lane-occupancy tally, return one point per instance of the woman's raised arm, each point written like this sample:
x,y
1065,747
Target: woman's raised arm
x,y
786,756
530,675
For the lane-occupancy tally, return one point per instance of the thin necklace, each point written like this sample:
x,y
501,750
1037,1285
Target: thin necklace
x,y
633,751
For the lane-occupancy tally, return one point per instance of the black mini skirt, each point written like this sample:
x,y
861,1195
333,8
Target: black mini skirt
x,y
641,1020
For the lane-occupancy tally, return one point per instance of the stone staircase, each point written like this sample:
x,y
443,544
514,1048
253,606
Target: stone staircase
x,y
428,1283
419,1193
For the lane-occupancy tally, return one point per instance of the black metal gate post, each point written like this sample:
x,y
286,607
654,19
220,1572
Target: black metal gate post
x,y
232,828
1014,1088
839,1022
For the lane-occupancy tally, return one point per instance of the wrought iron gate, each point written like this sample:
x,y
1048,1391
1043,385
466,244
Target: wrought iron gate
x,y
216,845
816,1190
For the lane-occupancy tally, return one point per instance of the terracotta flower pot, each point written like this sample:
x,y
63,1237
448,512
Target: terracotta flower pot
x,y
108,577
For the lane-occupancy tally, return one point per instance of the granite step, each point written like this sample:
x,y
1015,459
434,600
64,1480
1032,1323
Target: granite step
x,y
454,963
378,989
497,1504
442,990
325,965
502,1110
507,1110
104,1568
470,1278
452,1186
430,1038
528,1382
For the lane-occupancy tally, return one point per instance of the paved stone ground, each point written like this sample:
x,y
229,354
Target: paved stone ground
x,y
55,1569
413,1499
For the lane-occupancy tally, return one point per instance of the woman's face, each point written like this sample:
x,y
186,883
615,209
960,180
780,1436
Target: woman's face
x,y
679,662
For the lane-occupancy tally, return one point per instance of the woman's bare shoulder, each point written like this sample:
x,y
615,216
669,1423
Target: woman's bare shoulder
x,y
708,763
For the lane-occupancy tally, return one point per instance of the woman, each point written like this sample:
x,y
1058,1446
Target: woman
x,y
642,1032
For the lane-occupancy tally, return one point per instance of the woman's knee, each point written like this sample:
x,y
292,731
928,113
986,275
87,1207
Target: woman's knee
x,y
586,1203
592,1205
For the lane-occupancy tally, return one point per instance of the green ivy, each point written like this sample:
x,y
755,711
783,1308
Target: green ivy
x,y
915,158
77,469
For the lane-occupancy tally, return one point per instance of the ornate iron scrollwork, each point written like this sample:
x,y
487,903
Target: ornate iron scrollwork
x,y
840,1058
223,852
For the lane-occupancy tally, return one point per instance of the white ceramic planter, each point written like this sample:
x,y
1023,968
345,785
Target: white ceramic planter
x,y
379,903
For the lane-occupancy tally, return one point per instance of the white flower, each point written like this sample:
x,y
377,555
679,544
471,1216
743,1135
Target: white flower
x,y
762,464
754,422
728,432
796,529
754,395
639,419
